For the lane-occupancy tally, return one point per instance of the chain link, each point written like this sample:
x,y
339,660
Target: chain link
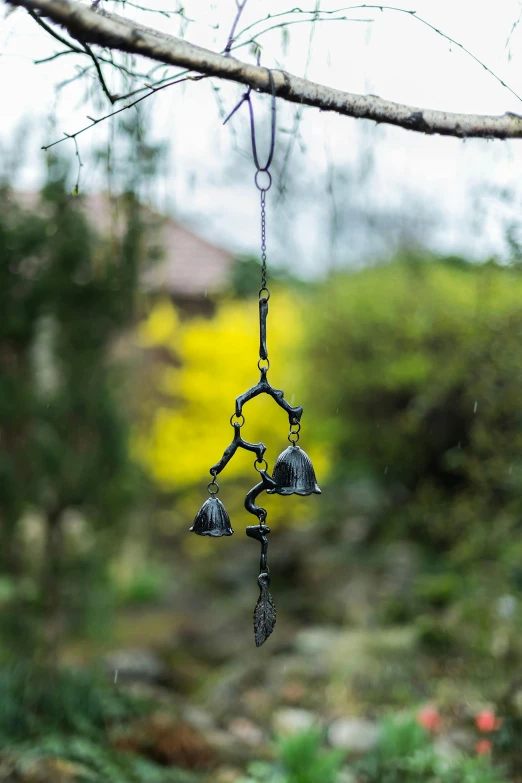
x,y
213,487
263,239
293,435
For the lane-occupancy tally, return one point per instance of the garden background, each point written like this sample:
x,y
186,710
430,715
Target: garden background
x,y
126,642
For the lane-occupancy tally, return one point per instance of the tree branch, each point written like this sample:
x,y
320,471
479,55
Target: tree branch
x,y
115,32
112,98
95,121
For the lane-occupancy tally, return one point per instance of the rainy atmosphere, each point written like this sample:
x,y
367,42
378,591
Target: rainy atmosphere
x,y
260,392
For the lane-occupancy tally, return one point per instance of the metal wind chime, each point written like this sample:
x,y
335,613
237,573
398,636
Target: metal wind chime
x,y
293,472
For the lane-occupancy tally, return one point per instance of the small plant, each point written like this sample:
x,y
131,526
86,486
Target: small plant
x,y
301,758
404,753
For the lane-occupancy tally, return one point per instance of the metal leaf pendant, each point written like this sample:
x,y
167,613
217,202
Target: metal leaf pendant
x,y
265,611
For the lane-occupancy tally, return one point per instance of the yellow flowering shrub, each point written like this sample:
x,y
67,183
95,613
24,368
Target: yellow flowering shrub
x,y
215,360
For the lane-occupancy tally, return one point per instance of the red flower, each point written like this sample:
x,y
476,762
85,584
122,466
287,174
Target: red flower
x,y
486,721
483,747
429,718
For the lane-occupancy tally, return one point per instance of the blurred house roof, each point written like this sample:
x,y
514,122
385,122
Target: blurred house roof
x,y
188,267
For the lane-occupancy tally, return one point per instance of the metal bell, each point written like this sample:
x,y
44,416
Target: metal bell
x,y
294,474
212,519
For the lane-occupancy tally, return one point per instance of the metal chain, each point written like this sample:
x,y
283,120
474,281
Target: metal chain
x,y
263,240
262,171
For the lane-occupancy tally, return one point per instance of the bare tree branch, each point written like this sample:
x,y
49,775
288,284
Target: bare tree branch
x,y
101,79
333,15
96,120
240,6
115,32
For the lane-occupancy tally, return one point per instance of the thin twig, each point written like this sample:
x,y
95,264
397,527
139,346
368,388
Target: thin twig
x,y
240,6
148,86
81,72
297,119
97,121
511,33
112,98
76,189
101,59
178,12
52,32
55,56
410,13
282,25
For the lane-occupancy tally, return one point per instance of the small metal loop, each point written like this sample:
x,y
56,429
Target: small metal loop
x,y
295,429
259,470
264,366
268,184
272,126
264,293
240,423
215,487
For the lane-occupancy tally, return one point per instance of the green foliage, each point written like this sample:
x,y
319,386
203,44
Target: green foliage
x,y
92,762
67,296
417,378
301,759
66,715
405,754
36,701
426,364
145,586
402,738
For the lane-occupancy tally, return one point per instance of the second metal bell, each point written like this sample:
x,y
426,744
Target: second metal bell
x,y
294,474
212,519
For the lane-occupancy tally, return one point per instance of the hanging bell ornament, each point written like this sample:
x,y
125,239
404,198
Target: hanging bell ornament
x,y
212,520
294,473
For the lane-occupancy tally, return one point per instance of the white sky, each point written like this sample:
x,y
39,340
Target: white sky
x,y
207,179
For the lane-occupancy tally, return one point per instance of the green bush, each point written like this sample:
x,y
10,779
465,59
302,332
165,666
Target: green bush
x,y
417,374
426,362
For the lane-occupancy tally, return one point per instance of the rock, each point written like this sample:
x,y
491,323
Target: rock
x,y
446,748
315,641
290,720
454,743
198,718
347,776
246,731
228,775
231,750
293,692
356,735
259,703
136,665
